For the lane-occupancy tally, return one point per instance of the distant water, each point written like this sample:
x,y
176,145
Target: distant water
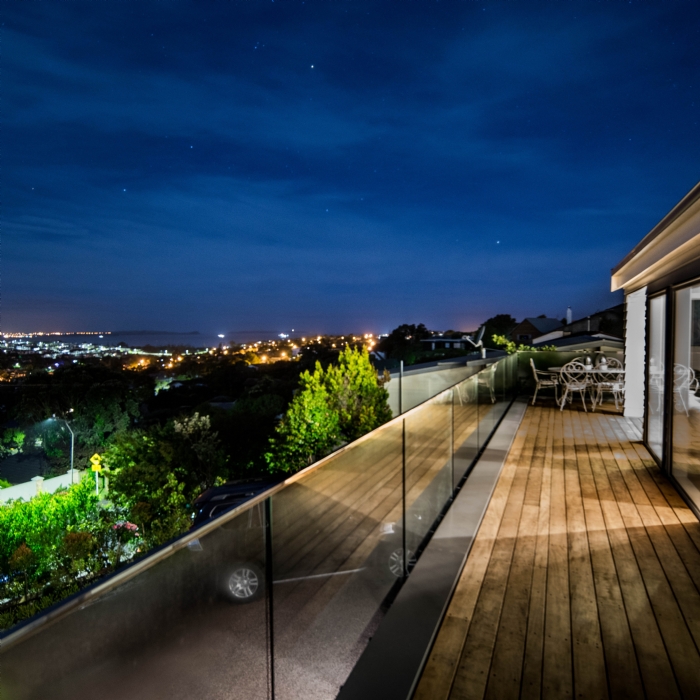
x,y
137,339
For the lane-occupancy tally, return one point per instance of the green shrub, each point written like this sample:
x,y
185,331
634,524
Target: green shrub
x,y
332,406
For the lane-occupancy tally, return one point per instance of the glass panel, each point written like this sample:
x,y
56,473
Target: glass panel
x,y
466,426
428,467
196,622
502,387
421,385
336,541
655,378
686,405
488,399
175,630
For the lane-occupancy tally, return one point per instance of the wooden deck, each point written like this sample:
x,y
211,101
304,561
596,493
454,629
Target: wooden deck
x,y
584,578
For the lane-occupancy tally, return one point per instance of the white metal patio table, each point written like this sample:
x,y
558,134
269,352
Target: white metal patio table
x,y
594,373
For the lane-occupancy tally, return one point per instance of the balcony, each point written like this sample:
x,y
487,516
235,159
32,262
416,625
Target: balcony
x,y
583,579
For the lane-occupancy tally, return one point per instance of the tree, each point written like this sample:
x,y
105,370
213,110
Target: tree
x,y
403,343
309,429
199,454
154,475
11,442
103,403
147,485
501,325
332,406
356,394
245,431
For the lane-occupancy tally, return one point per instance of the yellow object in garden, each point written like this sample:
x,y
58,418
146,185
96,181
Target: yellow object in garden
x,y
96,462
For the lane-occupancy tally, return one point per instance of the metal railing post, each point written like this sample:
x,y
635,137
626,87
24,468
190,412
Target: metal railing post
x,y
268,593
452,436
403,496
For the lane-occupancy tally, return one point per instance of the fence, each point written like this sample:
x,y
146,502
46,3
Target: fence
x,y
279,597
38,485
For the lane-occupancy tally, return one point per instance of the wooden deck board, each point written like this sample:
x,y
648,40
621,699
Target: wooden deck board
x,y
437,679
587,648
624,680
472,677
584,577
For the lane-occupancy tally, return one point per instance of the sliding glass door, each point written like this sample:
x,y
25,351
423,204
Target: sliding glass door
x,y
655,375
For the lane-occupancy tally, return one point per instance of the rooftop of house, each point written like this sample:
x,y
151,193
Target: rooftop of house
x,y
579,341
543,325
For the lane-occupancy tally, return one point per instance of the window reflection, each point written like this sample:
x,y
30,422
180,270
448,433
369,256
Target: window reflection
x,y
686,404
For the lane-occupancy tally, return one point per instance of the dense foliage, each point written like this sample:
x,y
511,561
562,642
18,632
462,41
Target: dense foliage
x,y
217,419
498,325
155,475
512,347
333,406
56,543
403,343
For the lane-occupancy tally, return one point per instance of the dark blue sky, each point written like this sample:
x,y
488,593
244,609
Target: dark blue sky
x,y
335,166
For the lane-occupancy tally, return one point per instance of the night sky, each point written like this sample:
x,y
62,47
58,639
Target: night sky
x,y
334,166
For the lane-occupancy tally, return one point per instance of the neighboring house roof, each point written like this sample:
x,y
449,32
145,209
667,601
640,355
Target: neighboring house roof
x,y
541,326
597,341
545,325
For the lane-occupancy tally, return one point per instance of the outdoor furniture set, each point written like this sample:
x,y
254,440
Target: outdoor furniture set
x,y
582,376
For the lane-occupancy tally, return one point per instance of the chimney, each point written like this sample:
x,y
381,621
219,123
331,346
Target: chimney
x,y
568,315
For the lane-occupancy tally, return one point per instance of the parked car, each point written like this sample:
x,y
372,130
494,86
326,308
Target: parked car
x,y
235,551
219,499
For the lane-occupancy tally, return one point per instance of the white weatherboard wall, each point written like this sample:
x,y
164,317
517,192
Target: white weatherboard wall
x,y
635,350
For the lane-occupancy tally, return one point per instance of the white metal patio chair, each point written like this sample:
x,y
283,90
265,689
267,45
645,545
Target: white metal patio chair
x,y
608,362
573,378
487,378
613,382
656,385
684,383
544,380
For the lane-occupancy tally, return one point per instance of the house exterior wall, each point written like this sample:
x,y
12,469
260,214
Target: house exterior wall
x,y
635,350
662,274
524,332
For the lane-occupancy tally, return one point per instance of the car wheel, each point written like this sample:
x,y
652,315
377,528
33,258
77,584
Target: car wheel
x,y
396,561
243,583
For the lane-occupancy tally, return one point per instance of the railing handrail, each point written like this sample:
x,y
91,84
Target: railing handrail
x,y
165,551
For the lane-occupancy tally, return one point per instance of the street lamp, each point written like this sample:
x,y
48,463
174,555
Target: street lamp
x,y
72,443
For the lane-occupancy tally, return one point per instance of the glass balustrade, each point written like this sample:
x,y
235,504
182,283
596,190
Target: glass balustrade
x,y
280,597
